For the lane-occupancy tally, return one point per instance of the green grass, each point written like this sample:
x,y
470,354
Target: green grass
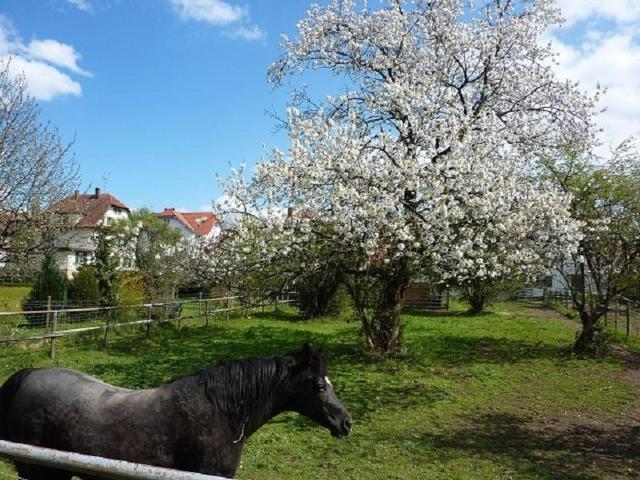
x,y
11,297
495,396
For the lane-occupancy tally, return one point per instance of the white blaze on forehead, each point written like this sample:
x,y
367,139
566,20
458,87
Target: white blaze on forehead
x,y
326,379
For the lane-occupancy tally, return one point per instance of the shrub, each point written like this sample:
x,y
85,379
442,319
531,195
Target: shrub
x,y
318,294
130,290
84,288
84,292
49,282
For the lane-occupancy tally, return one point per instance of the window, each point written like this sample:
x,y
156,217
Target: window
x,y
82,258
126,262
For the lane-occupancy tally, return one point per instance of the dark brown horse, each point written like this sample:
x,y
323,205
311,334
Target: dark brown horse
x,y
197,423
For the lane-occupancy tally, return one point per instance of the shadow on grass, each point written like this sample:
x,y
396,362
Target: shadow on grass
x,y
457,351
446,313
148,362
567,452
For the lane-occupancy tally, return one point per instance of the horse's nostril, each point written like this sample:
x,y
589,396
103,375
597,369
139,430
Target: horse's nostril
x,y
346,423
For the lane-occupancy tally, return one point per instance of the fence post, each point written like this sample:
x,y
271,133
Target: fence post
x,y
148,325
106,328
46,326
628,319
54,327
615,315
206,313
228,305
277,297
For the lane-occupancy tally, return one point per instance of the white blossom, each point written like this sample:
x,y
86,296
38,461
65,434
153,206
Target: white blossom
x,y
430,155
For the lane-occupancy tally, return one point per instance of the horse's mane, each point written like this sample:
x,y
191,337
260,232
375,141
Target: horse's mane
x,y
239,387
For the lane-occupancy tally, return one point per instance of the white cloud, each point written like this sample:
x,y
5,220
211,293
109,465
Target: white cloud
x,y
57,53
216,12
249,33
621,11
45,82
44,63
83,5
611,59
219,12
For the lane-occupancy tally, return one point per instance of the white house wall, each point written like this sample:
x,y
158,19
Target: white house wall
x,y
178,225
83,240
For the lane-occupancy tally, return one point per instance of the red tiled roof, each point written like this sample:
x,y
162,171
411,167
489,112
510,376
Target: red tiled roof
x,y
200,223
91,207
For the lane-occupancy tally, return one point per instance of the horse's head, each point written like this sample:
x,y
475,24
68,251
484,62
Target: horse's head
x,y
313,395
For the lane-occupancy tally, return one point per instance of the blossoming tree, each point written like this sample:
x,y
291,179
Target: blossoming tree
x,y
425,162
605,196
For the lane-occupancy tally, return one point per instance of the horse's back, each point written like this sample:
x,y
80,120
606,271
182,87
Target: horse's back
x,y
58,389
8,392
69,410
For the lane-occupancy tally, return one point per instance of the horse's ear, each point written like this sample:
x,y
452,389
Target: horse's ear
x,y
305,354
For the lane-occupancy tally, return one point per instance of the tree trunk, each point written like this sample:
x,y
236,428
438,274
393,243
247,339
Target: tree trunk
x,y
477,298
384,328
590,341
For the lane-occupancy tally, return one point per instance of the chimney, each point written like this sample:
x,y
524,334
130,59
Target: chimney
x,y
97,192
76,194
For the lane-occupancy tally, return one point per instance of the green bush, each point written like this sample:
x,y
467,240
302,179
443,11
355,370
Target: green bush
x,y
84,288
130,288
318,295
49,282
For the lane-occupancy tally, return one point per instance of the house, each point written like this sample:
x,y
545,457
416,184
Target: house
x,y
191,224
88,212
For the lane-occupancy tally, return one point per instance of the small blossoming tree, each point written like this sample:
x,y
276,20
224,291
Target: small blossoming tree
x,y
426,162
605,196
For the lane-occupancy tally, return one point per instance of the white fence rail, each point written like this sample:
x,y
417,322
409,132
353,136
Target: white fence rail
x,y
89,465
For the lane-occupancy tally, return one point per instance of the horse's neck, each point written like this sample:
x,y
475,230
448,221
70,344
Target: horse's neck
x,y
266,407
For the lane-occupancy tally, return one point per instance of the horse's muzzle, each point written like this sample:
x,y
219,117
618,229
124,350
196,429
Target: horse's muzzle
x,y
343,428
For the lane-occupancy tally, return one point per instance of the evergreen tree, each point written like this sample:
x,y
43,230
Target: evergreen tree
x,y
50,282
83,289
106,269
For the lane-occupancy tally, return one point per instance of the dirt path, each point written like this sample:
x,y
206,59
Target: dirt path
x,y
630,358
540,311
616,444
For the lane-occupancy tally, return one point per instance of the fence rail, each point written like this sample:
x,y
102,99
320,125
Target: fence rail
x,y
51,322
91,465
623,315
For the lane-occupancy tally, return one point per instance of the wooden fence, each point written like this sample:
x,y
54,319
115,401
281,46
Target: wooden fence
x,y
624,315
423,296
52,322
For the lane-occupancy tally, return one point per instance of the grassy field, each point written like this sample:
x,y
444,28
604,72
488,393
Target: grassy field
x,y
495,396
11,297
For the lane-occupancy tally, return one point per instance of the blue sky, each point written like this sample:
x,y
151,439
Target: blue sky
x,y
160,95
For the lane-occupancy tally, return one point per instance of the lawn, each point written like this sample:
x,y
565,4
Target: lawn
x,y
495,396
11,297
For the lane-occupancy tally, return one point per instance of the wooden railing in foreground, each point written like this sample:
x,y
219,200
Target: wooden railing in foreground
x,y
90,465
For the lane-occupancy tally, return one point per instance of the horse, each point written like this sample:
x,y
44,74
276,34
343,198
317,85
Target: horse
x,y
196,423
